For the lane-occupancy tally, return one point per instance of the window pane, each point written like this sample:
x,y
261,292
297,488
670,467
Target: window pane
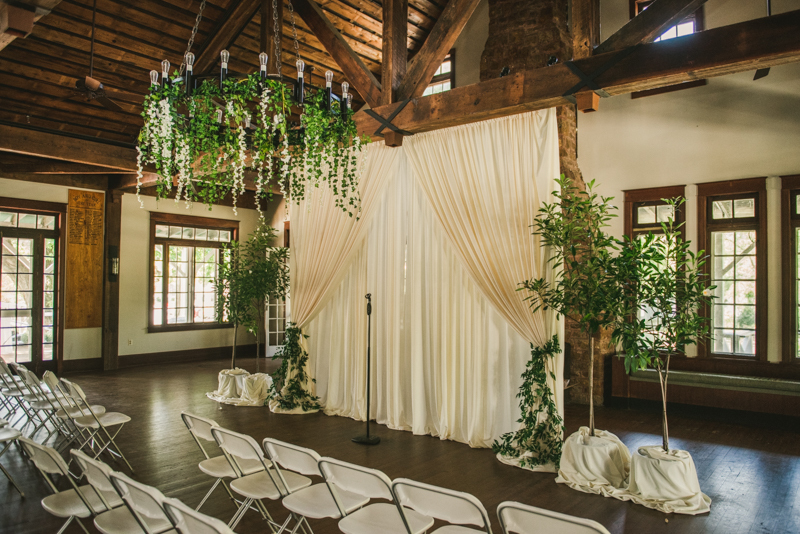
x,y
733,271
205,271
213,235
162,230
646,215
687,28
664,213
669,34
27,220
175,232
722,209
797,204
225,235
46,222
188,233
744,207
445,68
8,219
201,234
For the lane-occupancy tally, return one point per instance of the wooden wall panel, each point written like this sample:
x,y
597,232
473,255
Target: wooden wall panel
x,y
84,291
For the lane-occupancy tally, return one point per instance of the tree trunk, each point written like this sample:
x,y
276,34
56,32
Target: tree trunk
x,y
233,353
662,379
591,384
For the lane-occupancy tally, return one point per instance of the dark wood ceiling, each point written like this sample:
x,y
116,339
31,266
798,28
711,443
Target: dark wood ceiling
x,y
38,73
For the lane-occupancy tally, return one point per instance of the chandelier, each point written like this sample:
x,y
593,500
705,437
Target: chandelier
x,y
211,136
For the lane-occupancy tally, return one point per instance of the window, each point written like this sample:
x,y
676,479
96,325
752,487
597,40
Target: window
x,y
276,325
444,78
186,253
790,200
691,24
30,270
734,234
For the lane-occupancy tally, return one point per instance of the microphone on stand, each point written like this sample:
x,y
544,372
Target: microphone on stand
x,y
368,440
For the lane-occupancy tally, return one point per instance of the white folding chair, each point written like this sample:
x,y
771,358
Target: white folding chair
x,y
218,467
44,404
95,422
76,503
455,507
14,390
118,518
144,502
524,519
373,484
257,486
315,501
189,521
67,411
8,436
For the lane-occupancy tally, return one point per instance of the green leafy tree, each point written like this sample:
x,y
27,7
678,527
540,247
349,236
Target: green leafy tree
x,y
584,287
253,273
664,288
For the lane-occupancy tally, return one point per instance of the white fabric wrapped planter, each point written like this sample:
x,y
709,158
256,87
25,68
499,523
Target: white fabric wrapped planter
x,y
595,464
666,481
240,388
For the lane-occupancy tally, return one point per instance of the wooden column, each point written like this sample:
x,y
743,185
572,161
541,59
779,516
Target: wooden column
x,y
110,281
395,48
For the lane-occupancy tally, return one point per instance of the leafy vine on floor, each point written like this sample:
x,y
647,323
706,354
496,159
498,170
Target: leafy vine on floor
x,y
291,393
539,436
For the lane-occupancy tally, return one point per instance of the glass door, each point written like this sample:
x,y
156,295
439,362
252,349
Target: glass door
x,y
28,293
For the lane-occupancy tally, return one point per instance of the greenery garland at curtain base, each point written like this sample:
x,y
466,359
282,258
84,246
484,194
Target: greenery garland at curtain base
x,y
289,394
539,441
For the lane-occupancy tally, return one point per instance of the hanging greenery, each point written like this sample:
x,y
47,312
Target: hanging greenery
x,y
288,392
540,439
208,138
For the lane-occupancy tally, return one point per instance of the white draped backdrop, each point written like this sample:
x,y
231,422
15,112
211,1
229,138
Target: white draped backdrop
x,y
442,243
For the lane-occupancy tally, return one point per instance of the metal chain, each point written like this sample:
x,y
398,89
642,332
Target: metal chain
x,y
277,37
294,31
194,33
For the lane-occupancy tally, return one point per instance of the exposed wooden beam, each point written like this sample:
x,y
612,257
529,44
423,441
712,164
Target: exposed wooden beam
x,y
443,36
395,50
39,7
585,27
650,24
98,182
48,145
359,76
56,167
127,182
737,48
225,33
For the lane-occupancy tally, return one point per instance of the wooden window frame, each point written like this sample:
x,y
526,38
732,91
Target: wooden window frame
x,y
790,188
699,25
730,190
652,196
187,221
451,76
59,210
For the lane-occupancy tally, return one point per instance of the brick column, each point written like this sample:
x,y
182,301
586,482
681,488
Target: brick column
x,y
523,34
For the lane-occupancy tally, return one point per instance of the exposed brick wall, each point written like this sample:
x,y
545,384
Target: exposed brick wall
x,y
523,34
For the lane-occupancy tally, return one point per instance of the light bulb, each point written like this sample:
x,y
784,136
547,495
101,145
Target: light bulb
x,y
345,88
262,59
300,66
165,69
189,59
154,77
328,78
219,115
224,56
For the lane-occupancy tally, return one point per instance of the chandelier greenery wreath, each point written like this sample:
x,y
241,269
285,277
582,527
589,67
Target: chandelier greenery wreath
x,y
206,136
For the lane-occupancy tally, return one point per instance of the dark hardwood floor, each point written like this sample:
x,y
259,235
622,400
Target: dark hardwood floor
x,y
749,466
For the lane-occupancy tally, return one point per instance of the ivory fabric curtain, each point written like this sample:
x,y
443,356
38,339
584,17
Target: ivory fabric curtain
x,y
443,257
445,363
324,237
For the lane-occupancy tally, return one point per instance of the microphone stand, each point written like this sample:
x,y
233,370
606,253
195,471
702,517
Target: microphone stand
x,y
368,440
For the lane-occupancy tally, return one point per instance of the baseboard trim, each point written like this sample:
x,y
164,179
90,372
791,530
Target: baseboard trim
x,y
178,356
77,366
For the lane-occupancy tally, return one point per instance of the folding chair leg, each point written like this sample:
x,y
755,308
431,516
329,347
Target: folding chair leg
x,y
239,513
65,525
208,495
6,473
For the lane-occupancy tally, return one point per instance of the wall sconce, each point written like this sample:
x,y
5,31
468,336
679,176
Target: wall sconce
x,y
113,263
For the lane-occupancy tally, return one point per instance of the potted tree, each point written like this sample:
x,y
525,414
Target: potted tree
x,y
584,289
664,290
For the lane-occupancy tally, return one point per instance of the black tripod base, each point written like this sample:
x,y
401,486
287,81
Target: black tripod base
x,y
367,440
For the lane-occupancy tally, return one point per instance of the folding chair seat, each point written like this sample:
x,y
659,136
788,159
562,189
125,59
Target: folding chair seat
x,y
455,507
188,521
76,503
144,503
7,437
315,501
94,423
524,519
257,486
218,466
373,484
43,404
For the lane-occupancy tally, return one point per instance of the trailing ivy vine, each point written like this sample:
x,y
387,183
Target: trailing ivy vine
x,y
208,140
542,429
289,392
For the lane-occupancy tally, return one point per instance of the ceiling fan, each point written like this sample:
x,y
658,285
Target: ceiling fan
x,y
89,87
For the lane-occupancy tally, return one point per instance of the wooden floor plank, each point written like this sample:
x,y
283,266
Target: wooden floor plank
x,y
749,467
